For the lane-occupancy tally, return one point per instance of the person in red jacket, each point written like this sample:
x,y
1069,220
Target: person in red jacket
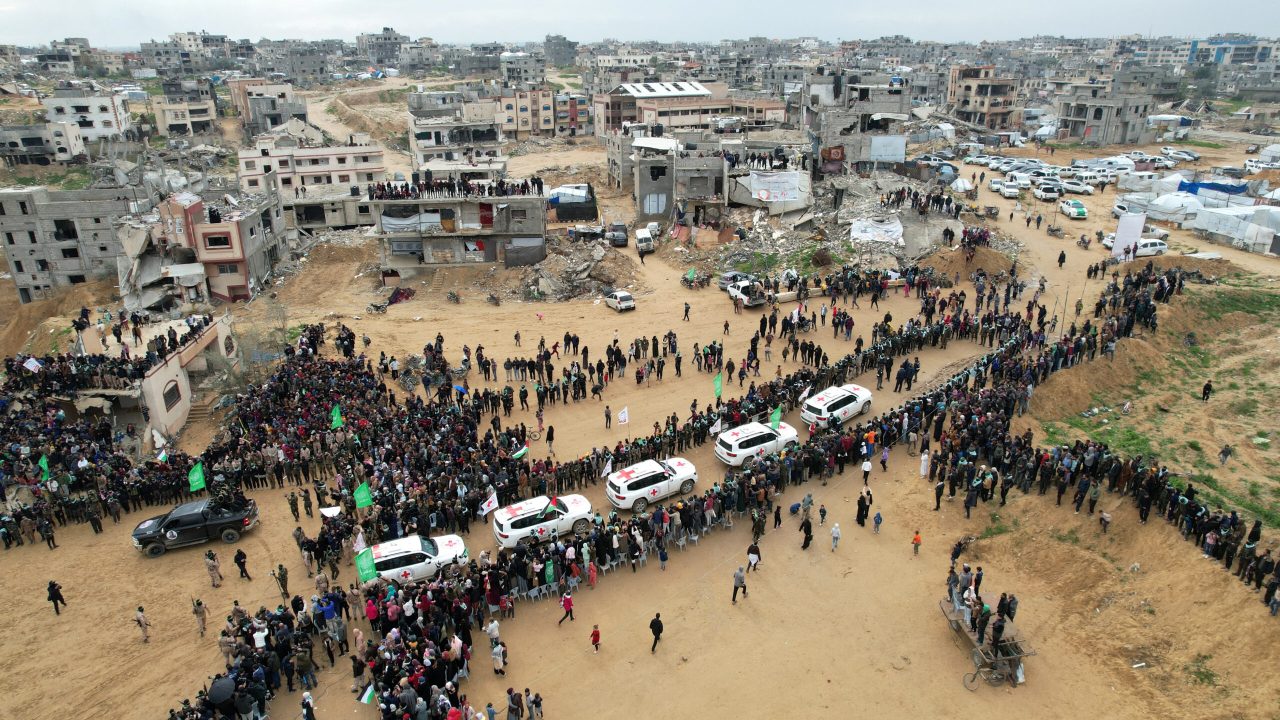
x,y
566,602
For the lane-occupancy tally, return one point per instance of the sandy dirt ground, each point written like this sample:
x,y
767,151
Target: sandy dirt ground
x,y
820,631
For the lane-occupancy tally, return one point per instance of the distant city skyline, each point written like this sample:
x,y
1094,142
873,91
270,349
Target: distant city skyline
x,y
125,25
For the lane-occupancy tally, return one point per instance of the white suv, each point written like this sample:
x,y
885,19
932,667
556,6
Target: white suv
x,y
840,402
635,487
542,518
417,558
753,440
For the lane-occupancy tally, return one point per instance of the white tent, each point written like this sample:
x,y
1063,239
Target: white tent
x,y
1175,207
1270,153
962,185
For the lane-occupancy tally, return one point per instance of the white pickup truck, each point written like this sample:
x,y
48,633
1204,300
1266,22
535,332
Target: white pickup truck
x,y
751,293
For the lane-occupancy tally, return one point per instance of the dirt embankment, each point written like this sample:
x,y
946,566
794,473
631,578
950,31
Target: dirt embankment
x,y
44,326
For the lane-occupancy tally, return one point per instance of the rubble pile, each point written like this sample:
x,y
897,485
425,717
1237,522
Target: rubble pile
x,y
539,145
578,269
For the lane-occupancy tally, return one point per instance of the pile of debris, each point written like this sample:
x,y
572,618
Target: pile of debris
x,y
539,145
579,269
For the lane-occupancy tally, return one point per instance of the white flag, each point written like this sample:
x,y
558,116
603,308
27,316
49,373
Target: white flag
x,y
715,427
32,364
489,505
808,389
608,468
624,417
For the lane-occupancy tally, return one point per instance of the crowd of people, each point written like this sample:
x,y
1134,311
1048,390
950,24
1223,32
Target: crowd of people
x,y
453,188
431,462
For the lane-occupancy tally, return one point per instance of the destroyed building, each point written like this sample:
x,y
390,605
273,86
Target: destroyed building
x,y
101,114
295,156
980,96
270,105
41,144
852,121
188,107
417,233
465,145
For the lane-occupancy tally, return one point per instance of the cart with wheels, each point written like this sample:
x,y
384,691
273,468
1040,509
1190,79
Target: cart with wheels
x,y
994,664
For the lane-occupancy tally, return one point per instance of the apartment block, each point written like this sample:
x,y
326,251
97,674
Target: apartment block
x,y
698,113
287,163
41,144
189,107
980,96
99,114
381,48
559,51
1098,117
238,241
419,233
465,146
269,106
850,120
618,107
522,70
55,238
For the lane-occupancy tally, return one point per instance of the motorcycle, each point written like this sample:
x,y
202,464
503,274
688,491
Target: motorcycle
x,y
1083,242
453,297
377,307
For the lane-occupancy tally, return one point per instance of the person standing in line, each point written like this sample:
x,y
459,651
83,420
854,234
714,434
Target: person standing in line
x,y
566,602
937,492
835,536
655,627
241,559
915,547
739,583
595,638
143,623
55,597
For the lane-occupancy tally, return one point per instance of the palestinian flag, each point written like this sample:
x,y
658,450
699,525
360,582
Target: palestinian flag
x,y
369,695
775,417
521,452
551,505
163,456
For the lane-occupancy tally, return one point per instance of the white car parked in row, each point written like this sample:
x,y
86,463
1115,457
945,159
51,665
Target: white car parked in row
x,y
620,300
417,558
1077,187
541,518
638,486
754,440
838,402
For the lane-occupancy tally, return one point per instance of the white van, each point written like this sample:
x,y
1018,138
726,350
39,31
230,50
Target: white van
x,y
644,241
1088,177
753,440
1148,247
1020,180
839,402
417,558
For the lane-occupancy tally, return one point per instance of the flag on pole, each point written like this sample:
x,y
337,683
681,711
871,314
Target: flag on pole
x,y
32,364
369,695
335,417
624,416
715,427
775,417
524,450
195,477
549,508
365,569
719,383
163,456
608,468
44,467
808,389
489,505
363,495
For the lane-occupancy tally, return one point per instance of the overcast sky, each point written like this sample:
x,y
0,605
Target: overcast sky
x,y
129,22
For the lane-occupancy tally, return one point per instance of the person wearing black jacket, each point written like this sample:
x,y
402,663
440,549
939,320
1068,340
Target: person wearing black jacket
x,y
655,627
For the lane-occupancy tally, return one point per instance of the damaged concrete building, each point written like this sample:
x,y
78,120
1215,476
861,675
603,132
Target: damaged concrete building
x,y
418,233
294,159
188,107
462,143
851,120
267,106
41,144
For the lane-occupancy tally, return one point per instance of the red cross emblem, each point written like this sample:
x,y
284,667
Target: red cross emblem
x,y
627,474
735,433
542,531
654,492
450,543
406,574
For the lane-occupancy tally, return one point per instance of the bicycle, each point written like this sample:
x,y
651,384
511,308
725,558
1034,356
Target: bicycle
x,y
533,435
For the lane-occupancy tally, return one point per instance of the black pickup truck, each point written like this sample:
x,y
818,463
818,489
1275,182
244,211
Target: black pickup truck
x,y
194,523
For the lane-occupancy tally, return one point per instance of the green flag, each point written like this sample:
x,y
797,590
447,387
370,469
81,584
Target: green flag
x,y
775,417
719,383
195,477
693,273
363,495
365,569
44,467
335,417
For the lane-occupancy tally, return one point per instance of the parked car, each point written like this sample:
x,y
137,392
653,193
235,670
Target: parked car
x,y
1022,180
1252,149
620,300
1074,209
1047,192
1010,190
541,518
616,234
1088,177
754,440
994,184
1077,187
750,292
1138,156
1183,155
730,277
1168,150
1164,163
417,558
1110,240
194,523
1148,247
838,402
1122,209
636,487
1153,231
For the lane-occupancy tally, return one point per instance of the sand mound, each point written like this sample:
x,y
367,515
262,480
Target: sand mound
x,y
949,262
21,324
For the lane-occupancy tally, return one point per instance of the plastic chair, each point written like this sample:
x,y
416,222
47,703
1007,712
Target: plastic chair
x,y
694,538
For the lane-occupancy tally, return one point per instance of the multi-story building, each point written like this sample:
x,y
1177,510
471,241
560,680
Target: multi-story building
x,y
56,63
41,144
781,79
522,70
1097,116
288,163
699,113
55,238
381,48
559,51
523,114
305,64
466,145
167,57
268,106
99,114
188,107
979,95
238,243
423,54
573,115
850,120
619,106
1231,49
239,90
416,234
9,56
